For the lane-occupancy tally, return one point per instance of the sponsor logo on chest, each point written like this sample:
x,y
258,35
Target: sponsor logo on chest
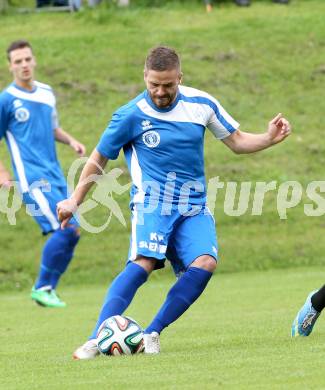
x,y
146,125
17,103
150,138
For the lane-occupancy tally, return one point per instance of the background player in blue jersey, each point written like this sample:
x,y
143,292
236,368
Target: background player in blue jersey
x,y
29,125
162,132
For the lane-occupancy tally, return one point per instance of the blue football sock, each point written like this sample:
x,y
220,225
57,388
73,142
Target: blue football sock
x,y
56,256
121,293
180,297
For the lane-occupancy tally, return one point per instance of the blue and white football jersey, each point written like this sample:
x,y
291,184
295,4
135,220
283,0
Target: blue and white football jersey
x,y
27,122
164,147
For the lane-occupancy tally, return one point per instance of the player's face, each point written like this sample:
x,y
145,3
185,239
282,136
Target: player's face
x,y
22,64
162,86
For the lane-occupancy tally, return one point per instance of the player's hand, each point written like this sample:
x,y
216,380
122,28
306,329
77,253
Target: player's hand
x,y
65,210
5,180
6,184
279,128
78,147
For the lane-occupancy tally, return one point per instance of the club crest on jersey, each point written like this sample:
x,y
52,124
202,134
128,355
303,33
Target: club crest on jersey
x,y
22,114
151,138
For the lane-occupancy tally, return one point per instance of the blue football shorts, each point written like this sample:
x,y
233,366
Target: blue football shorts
x,y
41,205
179,238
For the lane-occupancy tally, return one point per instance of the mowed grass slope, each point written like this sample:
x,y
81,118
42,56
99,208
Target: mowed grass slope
x,y
237,336
257,61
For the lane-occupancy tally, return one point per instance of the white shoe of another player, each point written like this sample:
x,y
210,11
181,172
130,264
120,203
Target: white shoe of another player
x,y
151,343
88,350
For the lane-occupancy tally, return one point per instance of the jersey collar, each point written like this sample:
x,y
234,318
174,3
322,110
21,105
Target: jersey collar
x,y
23,89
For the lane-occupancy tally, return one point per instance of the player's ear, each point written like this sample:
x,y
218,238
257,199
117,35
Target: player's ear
x,y
180,77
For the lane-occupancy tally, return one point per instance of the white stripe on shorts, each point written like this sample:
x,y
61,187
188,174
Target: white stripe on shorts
x,y
18,162
45,208
134,244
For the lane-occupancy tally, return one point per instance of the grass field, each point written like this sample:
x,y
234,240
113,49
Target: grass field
x,y
257,61
236,336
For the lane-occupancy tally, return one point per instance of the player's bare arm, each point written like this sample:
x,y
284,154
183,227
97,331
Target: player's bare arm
x,y
65,138
94,167
5,178
240,142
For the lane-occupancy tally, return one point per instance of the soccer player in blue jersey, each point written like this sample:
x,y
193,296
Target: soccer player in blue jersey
x,y
161,132
29,124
